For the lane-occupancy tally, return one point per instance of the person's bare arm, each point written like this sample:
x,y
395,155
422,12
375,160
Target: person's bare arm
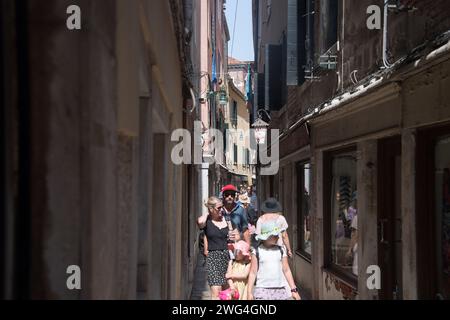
x,y
287,243
252,277
229,274
201,221
205,246
290,279
241,276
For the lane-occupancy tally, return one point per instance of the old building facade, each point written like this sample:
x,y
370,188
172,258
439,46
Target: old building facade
x,y
237,147
363,157
87,178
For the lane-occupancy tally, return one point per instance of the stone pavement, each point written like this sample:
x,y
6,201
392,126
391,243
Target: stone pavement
x,y
200,289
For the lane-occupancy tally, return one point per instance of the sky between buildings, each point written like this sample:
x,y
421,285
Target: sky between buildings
x,y
243,32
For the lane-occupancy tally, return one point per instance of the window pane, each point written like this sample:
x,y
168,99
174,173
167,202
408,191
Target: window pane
x,y
344,216
442,187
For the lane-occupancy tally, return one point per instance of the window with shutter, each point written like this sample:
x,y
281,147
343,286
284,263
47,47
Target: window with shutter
x,y
225,146
233,113
284,70
273,77
260,91
309,14
293,65
248,157
329,35
300,41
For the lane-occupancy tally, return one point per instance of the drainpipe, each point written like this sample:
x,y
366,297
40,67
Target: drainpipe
x,y
386,63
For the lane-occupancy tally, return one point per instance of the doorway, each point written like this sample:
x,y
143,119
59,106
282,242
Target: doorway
x,y
389,218
433,213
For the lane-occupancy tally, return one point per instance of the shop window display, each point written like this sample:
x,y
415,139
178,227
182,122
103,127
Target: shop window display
x,y
344,213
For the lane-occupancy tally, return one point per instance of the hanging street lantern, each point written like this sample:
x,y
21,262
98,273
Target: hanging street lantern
x,y
223,97
260,127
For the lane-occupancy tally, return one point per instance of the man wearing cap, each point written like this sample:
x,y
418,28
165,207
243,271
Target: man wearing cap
x,y
235,213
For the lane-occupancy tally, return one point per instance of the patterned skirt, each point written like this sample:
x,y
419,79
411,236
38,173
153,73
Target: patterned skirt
x,y
271,294
216,267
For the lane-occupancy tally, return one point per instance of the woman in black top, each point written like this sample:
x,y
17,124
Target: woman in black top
x,y
216,231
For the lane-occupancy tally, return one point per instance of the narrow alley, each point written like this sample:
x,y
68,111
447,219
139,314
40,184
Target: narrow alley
x,y
140,136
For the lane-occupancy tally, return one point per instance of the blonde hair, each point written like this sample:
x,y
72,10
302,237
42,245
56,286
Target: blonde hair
x,y
211,203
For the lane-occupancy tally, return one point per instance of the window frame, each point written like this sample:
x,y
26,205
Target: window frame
x,y
299,167
427,277
327,179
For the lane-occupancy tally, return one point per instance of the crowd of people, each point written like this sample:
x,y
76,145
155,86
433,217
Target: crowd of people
x,y
246,253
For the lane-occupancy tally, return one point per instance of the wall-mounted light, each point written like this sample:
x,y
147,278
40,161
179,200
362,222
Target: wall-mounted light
x,y
223,97
260,130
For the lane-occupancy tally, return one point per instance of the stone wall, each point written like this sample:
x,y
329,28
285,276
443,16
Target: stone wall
x,y
103,102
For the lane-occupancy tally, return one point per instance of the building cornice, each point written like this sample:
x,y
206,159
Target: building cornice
x,y
236,90
366,98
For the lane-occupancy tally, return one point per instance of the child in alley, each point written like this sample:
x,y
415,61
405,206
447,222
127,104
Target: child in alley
x,y
239,269
269,266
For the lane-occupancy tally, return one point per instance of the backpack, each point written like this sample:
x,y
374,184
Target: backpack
x,y
257,253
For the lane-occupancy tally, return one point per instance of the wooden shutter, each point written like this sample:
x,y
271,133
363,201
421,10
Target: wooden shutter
x,y
292,61
309,33
273,80
260,91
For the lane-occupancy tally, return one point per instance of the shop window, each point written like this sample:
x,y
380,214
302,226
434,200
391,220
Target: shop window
x,y
304,188
342,213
